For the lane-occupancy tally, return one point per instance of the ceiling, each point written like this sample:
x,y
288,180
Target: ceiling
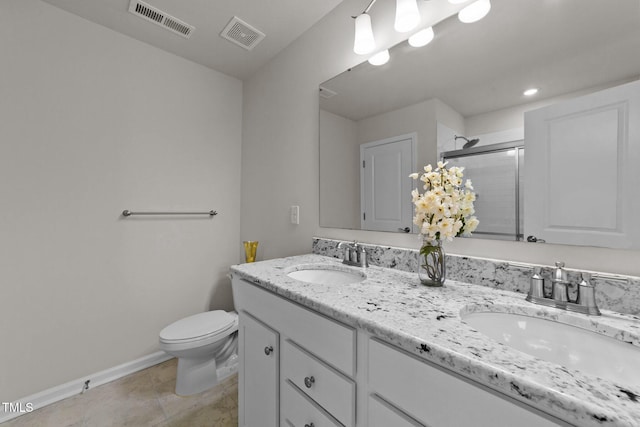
x,y
559,46
281,20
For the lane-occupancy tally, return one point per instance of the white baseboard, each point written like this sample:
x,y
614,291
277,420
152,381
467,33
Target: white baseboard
x,y
55,394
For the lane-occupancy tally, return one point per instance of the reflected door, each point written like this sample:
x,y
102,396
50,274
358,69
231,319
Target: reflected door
x,y
385,186
583,189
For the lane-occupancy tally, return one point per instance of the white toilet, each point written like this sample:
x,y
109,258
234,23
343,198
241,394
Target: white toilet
x,y
206,347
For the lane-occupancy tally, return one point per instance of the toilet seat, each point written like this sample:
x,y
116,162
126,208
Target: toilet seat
x,y
209,326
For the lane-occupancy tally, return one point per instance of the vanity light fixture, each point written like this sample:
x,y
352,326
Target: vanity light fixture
x,y
530,92
407,18
364,42
407,15
422,37
475,11
380,58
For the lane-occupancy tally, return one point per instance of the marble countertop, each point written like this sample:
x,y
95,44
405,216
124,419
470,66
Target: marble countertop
x,y
390,304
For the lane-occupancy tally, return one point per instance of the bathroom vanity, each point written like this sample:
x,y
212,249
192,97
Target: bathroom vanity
x,y
370,347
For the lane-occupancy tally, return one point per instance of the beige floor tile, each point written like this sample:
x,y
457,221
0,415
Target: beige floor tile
x,y
217,415
126,401
66,413
173,404
146,398
163,372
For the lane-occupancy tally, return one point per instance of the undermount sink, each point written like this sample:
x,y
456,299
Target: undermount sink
x,y
561,343
327,274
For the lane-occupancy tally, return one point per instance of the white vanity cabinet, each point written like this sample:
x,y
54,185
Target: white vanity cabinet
x,y
418,393
258,348
314,361
313,376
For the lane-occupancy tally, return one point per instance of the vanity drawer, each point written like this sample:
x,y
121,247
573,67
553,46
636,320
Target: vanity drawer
x,y
330,389
435,397
331,341
298,410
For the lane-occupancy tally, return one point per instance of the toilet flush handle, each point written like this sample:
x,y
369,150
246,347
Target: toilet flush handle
x,y
268,350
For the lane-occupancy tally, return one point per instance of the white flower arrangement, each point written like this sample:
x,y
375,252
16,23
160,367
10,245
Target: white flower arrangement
x,y
445,210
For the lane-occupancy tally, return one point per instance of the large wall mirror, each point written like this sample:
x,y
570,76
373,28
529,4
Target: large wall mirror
x,y
461,97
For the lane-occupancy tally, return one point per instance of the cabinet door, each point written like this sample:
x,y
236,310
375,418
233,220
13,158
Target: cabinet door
x,y
382,414
259,351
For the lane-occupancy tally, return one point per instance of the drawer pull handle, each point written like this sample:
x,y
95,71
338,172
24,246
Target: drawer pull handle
x,y
308,425
308,381
268,350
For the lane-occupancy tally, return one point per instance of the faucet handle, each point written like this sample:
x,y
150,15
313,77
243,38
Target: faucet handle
x,y
536,285
362,256
587,295
346,256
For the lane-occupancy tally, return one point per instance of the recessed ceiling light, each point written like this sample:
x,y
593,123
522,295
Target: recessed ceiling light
x,y
530,92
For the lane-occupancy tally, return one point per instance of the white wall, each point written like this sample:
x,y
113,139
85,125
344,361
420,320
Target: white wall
x,y
280,156
280,126
419,118
93,123
339,152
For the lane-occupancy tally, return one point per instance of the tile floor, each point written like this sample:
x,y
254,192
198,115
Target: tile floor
x,y
143,399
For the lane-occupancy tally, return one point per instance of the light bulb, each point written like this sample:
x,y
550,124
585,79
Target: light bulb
x,y
530,92
407,15
363,40
422,37
475,11
380,58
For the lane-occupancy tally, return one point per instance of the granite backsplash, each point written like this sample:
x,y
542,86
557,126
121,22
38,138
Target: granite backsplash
x,y
613,292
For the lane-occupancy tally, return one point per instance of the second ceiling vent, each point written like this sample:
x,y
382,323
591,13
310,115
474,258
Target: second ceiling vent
x,y
244,35
151,14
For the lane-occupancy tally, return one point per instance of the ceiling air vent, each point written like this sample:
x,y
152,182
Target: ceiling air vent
x,y
161,18
244,35
327,93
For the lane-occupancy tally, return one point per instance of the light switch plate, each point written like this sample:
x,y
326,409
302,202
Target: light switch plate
x,y
295,214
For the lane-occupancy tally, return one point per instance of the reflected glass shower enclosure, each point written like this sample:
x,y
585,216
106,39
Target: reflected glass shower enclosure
x,y
497,173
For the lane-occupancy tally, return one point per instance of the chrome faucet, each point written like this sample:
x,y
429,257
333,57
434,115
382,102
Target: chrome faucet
x,y
585,301
559,284
354,254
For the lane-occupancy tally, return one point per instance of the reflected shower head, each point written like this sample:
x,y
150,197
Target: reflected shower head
x,y
469,143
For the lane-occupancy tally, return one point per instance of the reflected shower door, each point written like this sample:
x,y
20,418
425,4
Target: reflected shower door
x,y
495,176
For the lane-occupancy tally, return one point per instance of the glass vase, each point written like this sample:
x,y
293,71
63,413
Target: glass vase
x,y
432,267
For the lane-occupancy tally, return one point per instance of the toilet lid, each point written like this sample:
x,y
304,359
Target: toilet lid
x,y
198,326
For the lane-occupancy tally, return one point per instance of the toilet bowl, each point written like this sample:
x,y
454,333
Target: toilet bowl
x,y
206,347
